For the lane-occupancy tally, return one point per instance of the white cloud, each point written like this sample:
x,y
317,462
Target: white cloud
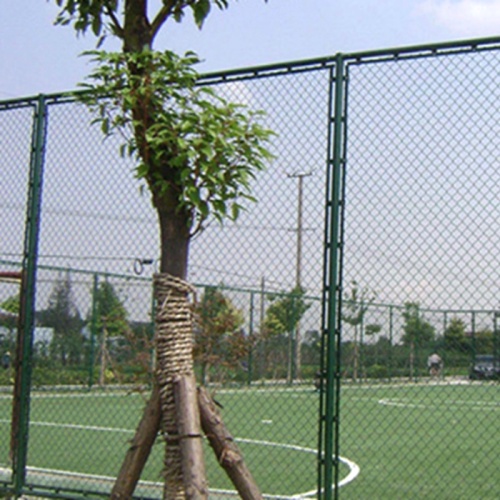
x,y
474,18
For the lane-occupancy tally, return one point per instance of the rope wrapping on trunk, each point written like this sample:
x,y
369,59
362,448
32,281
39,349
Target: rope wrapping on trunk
x,y
174,356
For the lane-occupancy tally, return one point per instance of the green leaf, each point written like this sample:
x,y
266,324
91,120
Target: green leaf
x,y
96,25
235,211
105,126
200,9
186,139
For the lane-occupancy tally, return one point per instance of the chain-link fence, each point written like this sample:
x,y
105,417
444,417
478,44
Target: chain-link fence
x,y
383,193
92,338
422,234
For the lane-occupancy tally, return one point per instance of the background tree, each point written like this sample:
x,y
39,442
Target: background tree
x,y
484,341
418,332
454,336
63,316
111,324
281,319
219,339
354,307
11,305
311,354
197,153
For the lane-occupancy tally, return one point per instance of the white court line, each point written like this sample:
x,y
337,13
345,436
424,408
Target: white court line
x,y
82,395
74,426
354,469
470,405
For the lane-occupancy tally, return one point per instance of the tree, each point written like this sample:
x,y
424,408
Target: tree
x,y
454,336
63,316
111,322
197,154
110,311
11,306
484,341
417,331
354,308
282,318
219,339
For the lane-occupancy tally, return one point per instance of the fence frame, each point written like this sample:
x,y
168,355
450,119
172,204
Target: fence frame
x,y
336,121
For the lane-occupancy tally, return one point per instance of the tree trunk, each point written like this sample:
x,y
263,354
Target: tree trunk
x,y
173,336
174,358
226,451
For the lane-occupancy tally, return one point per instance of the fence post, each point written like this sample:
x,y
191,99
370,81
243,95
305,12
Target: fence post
x,y
496,342
291,329
250,350
93,330
152,333
473,327
391,344
328,447
24,344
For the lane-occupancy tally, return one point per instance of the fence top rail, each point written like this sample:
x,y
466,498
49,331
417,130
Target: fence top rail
x,y
255,291
424,50
301,66
17,103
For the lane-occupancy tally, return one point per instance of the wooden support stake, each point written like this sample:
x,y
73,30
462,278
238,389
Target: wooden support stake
x,y
191,442
139,449
226,451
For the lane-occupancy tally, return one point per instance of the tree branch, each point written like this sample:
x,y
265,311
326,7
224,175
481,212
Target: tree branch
x,y
163,14
115,22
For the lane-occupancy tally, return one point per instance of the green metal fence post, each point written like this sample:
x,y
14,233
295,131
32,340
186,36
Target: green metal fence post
x,y
152,332
93,330
473,328
391,344
496,342
328,475
250,351
20,410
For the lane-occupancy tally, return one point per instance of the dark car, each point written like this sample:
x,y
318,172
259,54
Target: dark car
x,y
485,367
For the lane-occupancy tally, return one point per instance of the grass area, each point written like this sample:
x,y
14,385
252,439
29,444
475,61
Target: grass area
x,y
88,433
422,441
409,440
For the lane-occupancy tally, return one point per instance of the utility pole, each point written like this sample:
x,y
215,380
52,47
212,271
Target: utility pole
x,y
298,264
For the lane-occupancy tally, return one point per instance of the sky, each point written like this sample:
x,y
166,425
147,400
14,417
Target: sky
x,y
38,57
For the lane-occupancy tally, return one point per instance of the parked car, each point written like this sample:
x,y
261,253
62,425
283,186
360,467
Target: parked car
x,y
485,367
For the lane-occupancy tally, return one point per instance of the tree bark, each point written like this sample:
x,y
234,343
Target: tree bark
x,y
174,232
226,451
191,444
139,449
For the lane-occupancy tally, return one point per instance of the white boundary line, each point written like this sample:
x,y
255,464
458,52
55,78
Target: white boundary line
x,y
354,469
74,426
470,405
